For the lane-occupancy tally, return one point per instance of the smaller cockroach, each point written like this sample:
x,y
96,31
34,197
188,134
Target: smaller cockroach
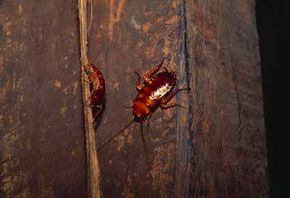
x,y
156,91
97,88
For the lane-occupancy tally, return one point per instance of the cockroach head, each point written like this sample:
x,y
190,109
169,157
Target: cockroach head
x,y
88,68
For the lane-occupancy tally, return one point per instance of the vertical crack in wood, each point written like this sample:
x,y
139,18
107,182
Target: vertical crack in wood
x,y
93,170
238,99
183,142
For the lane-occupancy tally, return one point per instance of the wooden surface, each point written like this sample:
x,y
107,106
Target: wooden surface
x,y
42,148
229,158
215,147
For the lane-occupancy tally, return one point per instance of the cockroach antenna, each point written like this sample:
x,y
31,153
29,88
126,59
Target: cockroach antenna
x,y
115,135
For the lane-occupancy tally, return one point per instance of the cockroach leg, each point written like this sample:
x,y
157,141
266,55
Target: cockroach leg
x,y
152,71
147,126
128,106
144,143
86,81
99,111
172,94
139,84
164,102
87,102
165,69
147,121
168,106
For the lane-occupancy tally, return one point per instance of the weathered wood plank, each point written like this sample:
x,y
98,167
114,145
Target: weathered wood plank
x,y
229,158
210,148
41,140
133,36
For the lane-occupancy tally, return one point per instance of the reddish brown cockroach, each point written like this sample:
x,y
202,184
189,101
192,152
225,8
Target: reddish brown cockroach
x,y
96,81
97,88
156,91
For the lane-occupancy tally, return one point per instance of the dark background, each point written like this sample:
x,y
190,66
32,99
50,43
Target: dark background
x,y
273,20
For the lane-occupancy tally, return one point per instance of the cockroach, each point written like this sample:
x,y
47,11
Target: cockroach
x,y
156,90
97,88
96,81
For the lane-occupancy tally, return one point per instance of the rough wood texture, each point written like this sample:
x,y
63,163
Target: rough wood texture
x,y
228,136
42,149
134,36
215,147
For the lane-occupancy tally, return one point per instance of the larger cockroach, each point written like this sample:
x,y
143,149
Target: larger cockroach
x,y
156,91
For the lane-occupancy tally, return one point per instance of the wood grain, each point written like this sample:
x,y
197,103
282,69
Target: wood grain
x,y
228,135
42,147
